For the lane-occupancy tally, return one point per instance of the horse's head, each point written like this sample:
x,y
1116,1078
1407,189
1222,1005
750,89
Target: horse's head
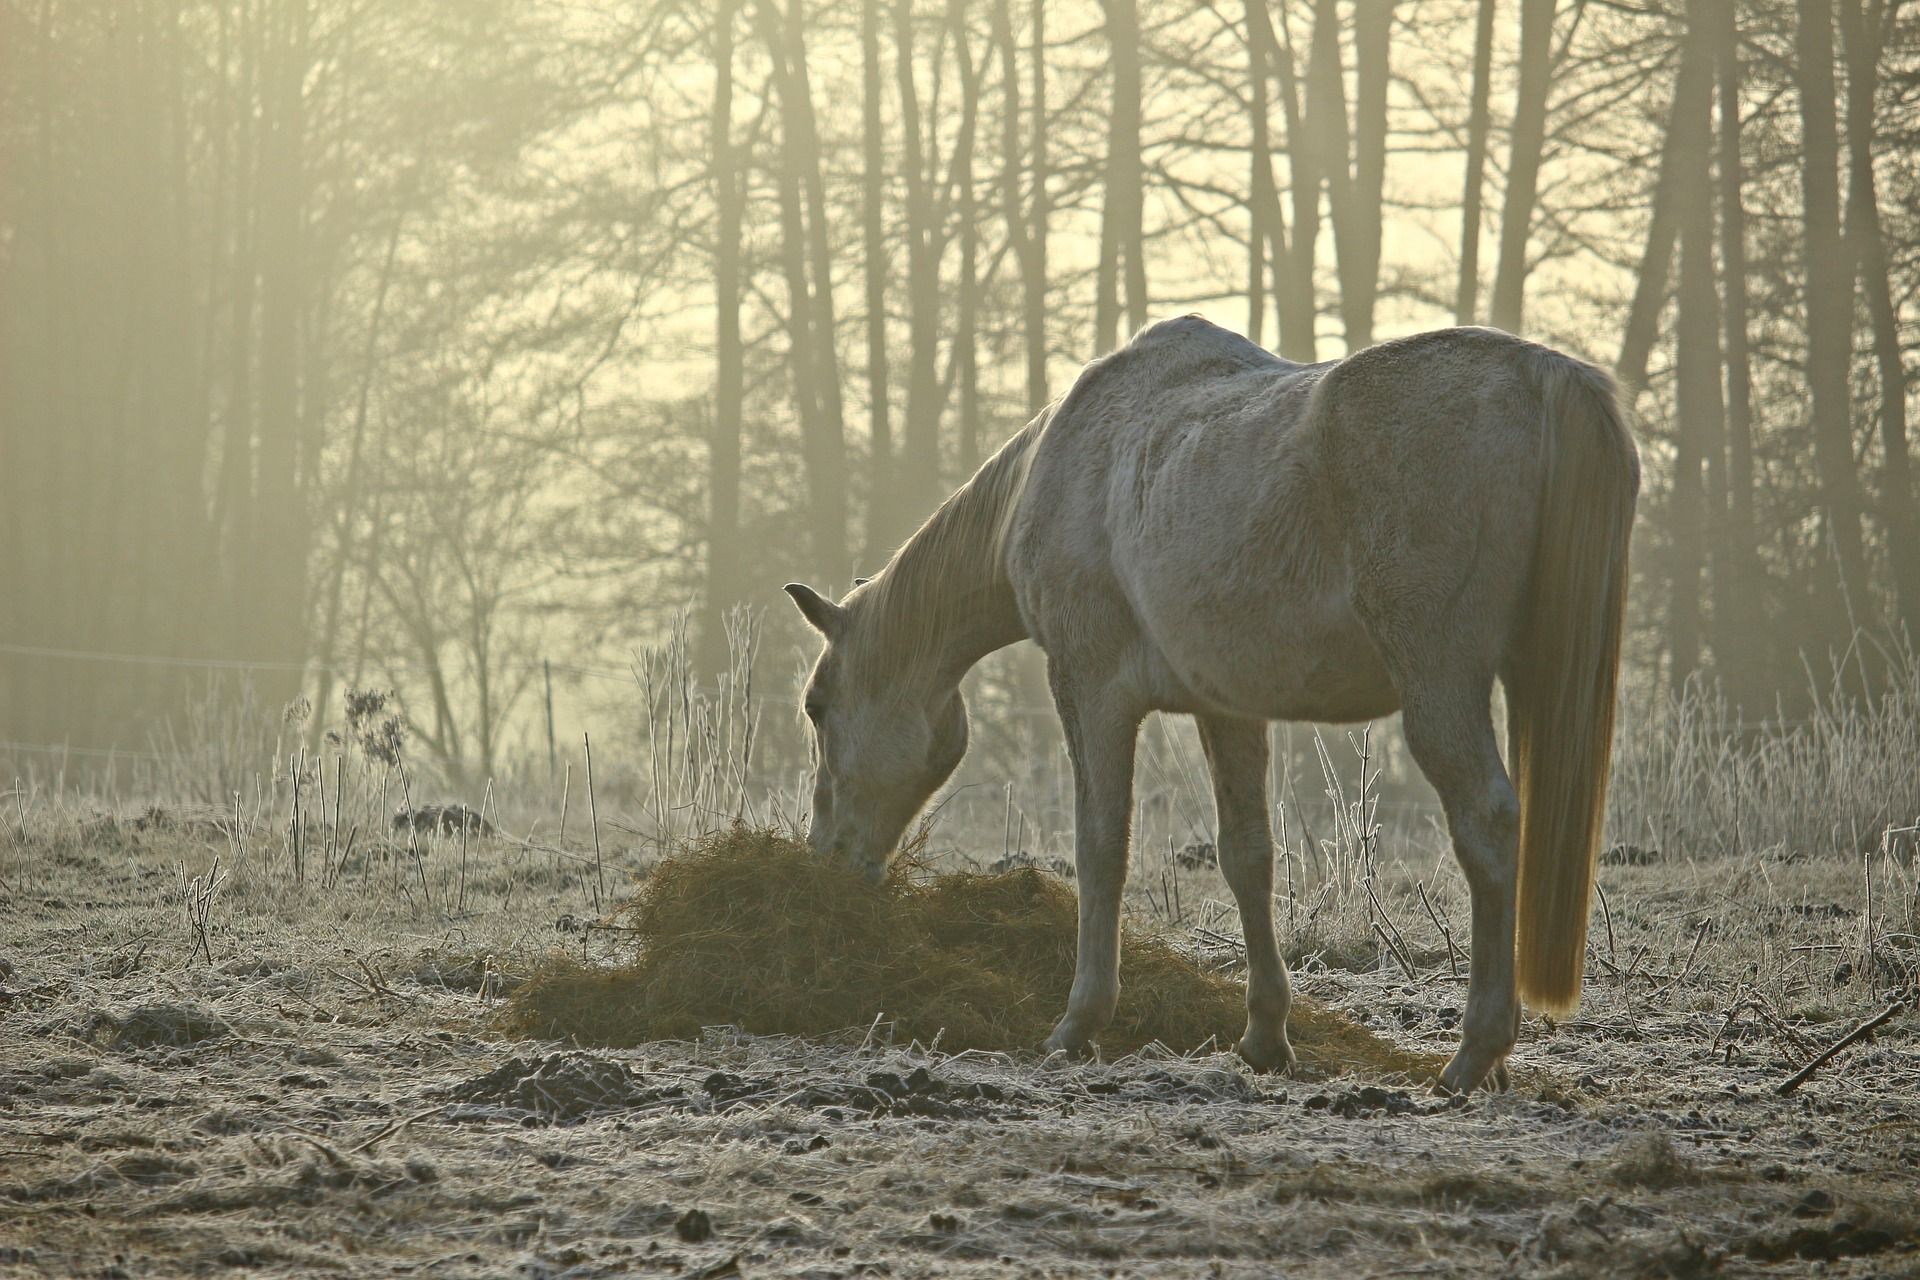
x,y
885,734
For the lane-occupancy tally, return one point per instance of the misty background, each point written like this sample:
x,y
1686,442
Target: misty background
x,y
485,351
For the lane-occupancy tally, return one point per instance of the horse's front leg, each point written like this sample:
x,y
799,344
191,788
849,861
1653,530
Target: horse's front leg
x,y
1100,741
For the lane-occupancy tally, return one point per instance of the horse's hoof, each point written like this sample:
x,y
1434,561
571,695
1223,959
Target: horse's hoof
x,y
1072,1048
1266,1055
1460,1079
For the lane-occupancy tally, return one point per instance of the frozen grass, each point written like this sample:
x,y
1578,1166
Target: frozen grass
x,y
247,1071
246,1023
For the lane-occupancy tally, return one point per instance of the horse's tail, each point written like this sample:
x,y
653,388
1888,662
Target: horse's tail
x,y
1560,688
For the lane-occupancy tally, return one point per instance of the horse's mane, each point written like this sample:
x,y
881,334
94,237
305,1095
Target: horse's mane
x,y
953,564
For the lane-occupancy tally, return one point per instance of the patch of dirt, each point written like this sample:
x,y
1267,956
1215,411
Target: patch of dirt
x,y
443,819
157,1025
283,1111
1649,1160
560,1088
1856,1232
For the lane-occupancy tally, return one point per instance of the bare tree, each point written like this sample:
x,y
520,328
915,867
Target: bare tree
x,y
966,338
1741,647
1295,307
281,532
327,647
1829,300
723,587
806,261
1026,241
1697,422
1295,298
1864,25
919,471
1263,201
1479,124
1692,86
1122,247
882,516
1034,286
1523,163
1358,229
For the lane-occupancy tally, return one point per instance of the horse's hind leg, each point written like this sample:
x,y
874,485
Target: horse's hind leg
x,y
1237,759
1100,734
1449,728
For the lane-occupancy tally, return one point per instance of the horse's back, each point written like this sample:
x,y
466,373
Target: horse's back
x,y
1243,512
1168,467
1171,361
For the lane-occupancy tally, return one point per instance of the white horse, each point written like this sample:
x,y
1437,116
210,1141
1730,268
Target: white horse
x,y
1199,526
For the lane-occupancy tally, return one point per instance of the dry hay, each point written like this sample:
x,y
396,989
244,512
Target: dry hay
x,y
750,929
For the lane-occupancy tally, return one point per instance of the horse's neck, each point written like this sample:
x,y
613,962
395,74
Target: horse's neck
x,y
950,596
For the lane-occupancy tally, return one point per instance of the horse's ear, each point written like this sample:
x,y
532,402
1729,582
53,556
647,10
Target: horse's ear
x,y
824,614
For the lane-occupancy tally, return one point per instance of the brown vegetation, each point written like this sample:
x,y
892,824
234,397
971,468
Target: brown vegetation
x,y
752,930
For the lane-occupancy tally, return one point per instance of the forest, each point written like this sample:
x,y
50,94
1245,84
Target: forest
x,y
468,348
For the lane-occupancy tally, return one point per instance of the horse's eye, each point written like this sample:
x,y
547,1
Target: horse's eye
x,y
815,709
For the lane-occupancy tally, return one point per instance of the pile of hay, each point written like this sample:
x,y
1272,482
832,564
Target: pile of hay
x,y
752,930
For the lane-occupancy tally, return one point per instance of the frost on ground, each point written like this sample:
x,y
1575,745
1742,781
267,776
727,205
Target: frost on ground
x,y
290,1079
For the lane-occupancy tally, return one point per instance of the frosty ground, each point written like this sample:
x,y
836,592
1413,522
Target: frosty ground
x,y
298,1074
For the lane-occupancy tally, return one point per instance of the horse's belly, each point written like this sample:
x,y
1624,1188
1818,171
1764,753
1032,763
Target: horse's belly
x,y
1307,661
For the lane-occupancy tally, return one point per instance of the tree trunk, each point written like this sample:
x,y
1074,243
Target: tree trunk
x,y
1523,163
1263,200
1360,241
1035,291
729,388
1829,286
1296,300
919,472
1741,648
966,371
1697,422
1479,122
1692,87
1327,133
1121,249
826,351
233,495
1863,28
279,554
1012,210
822,443
883,516
1267,220
810,328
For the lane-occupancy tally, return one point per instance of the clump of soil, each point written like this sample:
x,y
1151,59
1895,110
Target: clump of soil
x,y
751,929
178,1026
447,819
1649,1160
1858,1231
561,1087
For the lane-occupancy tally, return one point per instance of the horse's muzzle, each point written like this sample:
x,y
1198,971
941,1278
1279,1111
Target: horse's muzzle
x,y
874,869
